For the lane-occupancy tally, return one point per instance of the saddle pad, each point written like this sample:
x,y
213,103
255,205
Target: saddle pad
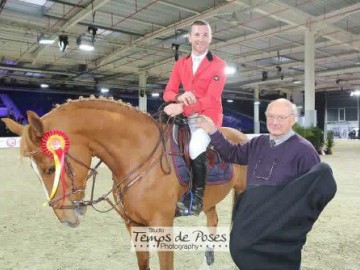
x,y
220,173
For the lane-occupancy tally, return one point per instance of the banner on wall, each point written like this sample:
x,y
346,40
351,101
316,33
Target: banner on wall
x,y
9,142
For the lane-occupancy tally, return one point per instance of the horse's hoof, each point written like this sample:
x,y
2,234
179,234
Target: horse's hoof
x,y
209,255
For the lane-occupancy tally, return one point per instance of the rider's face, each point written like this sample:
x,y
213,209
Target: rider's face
x,y
200,38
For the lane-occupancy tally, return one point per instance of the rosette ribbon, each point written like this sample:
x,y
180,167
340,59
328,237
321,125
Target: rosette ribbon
x,y
55,144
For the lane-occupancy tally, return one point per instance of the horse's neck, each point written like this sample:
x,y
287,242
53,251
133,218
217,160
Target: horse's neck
x,y
122,141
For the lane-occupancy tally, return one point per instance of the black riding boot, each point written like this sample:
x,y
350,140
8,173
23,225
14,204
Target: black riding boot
x,y
199,171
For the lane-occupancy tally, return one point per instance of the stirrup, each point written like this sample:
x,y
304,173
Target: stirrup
x,y
196,212
181,205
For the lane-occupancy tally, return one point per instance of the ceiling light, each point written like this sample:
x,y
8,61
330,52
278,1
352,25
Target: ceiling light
x,y
230,101
44,85
85,43
155,94
92,31
233,20
63,43
175,48
355,93
265,76
230,70
45,40
296,81
104,90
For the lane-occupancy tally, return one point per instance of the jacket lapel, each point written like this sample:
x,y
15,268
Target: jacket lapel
x,y
205,63
188,67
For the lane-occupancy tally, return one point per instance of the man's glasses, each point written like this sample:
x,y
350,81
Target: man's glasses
x,y
279,118
264,177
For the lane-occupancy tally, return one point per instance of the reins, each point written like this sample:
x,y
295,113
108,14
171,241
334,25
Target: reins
x,y
127,181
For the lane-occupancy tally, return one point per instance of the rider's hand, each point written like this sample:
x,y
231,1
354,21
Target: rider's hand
x,y
187,98
173,109
206,124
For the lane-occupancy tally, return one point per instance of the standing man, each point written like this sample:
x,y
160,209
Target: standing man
x,y
287,188
202,77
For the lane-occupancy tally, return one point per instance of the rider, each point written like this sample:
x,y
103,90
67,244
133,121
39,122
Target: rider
x,y
202,76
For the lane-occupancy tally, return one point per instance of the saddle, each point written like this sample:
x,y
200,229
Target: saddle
x,y
182,135
219,172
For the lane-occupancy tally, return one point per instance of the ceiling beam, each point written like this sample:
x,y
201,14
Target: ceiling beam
x,y
155,34
89,9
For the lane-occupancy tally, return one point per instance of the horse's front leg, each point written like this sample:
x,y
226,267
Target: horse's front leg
x,y
212,222
143,257
166,260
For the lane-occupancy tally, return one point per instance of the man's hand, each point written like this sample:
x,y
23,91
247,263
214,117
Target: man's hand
x,y
187,98
206,124
173,109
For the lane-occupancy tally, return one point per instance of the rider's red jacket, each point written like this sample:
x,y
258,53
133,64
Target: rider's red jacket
x,y
207,85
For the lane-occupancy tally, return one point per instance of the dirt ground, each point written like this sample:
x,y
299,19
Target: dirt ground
x,y
32,238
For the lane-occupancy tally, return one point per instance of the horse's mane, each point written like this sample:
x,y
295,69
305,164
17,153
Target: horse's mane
x,y
100,103
28,145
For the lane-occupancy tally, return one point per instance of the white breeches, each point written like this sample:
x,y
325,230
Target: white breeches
x,y
199,140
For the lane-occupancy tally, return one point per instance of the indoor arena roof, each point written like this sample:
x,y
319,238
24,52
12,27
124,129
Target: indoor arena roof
x,y
262,39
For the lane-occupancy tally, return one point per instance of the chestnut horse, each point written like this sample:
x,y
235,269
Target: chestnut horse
x,y
133,145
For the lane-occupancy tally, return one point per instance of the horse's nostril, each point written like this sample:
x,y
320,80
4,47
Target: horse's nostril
x,y
80,211
71,224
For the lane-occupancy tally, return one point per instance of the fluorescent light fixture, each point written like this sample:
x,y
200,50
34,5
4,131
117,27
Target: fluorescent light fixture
x,y
104,90
296,81
230,101
230,70
355,93
104,32
45,40
35,2
44,85
155,94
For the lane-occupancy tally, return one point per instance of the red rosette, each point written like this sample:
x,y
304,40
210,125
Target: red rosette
x,y
54,140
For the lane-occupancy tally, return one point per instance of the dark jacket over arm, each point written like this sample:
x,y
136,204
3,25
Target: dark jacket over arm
x,y
270,223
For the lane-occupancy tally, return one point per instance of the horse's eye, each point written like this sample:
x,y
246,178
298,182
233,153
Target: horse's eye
x,y
50,170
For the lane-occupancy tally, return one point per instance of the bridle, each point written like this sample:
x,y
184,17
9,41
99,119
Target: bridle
x,y
121,186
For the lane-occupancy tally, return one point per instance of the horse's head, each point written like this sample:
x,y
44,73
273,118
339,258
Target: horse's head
x,y
63,178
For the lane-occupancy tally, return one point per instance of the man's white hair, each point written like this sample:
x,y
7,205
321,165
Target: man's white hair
x,y
291,105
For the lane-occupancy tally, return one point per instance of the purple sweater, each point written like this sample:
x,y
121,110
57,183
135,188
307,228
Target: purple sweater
x,y
269,165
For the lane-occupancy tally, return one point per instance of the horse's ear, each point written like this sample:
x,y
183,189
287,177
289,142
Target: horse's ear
x,y
13,126
35,123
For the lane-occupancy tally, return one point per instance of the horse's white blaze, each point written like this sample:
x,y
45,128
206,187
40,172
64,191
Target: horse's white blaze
x,y
35,168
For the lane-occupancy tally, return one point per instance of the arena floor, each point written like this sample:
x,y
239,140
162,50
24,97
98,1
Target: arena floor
x,y
32,238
